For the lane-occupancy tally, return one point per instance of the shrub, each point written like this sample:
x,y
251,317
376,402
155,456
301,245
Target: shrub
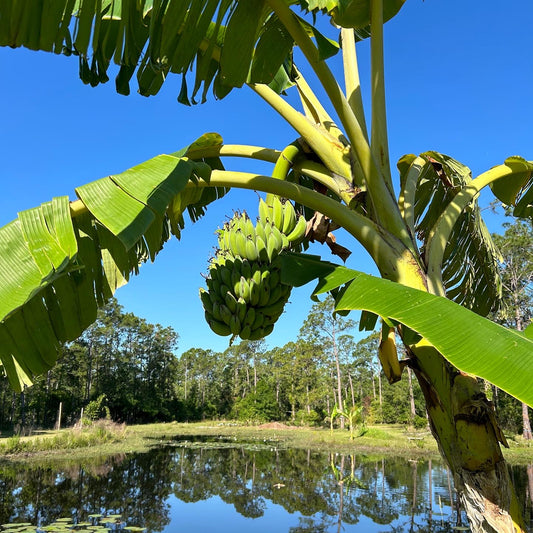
x,y
420,422
260,406
97,409
311,418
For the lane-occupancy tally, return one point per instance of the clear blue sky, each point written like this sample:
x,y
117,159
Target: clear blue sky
x,y
459,81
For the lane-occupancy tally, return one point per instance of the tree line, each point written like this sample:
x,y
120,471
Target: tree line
x,y
127,368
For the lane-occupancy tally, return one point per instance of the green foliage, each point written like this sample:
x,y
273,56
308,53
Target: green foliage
x,y
311,418
258,406
97,409
420,422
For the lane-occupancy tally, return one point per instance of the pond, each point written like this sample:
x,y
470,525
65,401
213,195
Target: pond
x,y
224,486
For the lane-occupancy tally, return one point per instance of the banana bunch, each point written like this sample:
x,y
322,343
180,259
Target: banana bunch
x,y
245,296
283,217
277,229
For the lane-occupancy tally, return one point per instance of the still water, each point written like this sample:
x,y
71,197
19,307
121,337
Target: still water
x,y
228,487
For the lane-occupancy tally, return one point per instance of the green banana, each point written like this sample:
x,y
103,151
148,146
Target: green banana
x,y
244,289
274,310
257,276
218,327
277,213
235,325
226,237
241,309
272,250
298,232
264,212
264,297
240,243
289,217
206,299
246,269
255,292
256,334
265,276
225,313
212,285
258,320
275,277
267,330
249,318
277,237
249,228
245,333
262,252
225,275
245,295
231,301
260,230
216,312
251,250
232,235
235,279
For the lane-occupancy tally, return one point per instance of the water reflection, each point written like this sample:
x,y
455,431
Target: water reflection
x,y
199,486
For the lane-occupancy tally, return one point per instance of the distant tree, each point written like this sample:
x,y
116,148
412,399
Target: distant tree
x,y
516,247
322,328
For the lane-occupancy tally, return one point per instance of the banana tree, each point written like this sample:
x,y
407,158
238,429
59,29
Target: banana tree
x,y
439,268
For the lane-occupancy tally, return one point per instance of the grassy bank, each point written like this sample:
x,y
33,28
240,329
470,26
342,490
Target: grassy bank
x,y
106,438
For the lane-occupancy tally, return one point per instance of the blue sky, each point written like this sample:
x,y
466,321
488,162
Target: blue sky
x,y
459,80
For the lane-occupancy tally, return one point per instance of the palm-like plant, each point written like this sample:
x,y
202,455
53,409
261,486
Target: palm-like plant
x,y
63,260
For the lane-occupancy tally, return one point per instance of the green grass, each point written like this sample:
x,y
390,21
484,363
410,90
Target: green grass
x,y
108,438
97,434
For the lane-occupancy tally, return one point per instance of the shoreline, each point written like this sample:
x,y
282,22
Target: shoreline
x,y
379,440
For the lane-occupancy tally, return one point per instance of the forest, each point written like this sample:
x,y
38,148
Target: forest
x,y
130,370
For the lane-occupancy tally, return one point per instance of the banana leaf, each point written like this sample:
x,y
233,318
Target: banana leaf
x,y
470,269
225,43
470,342
60,262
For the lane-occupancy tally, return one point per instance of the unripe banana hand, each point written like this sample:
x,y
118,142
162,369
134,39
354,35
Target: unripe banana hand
x,y
245,296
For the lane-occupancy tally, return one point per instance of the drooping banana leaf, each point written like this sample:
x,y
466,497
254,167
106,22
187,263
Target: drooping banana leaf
x,y
517,189
218,40
60,262
470,342
470,269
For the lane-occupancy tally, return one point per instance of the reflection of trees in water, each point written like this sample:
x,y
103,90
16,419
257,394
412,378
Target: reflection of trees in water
x,y
522,478
329,492
134,487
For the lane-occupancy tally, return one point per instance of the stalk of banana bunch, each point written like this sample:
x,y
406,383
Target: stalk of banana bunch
x,y
245,296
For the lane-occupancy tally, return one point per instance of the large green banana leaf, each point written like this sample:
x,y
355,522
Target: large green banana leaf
x,y
57,266
470,342
470,270
224,42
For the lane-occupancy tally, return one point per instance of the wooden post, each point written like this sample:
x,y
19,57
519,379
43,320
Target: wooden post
x,y
58,423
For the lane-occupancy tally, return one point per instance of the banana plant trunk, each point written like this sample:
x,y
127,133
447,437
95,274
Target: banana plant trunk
x,y
463,423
